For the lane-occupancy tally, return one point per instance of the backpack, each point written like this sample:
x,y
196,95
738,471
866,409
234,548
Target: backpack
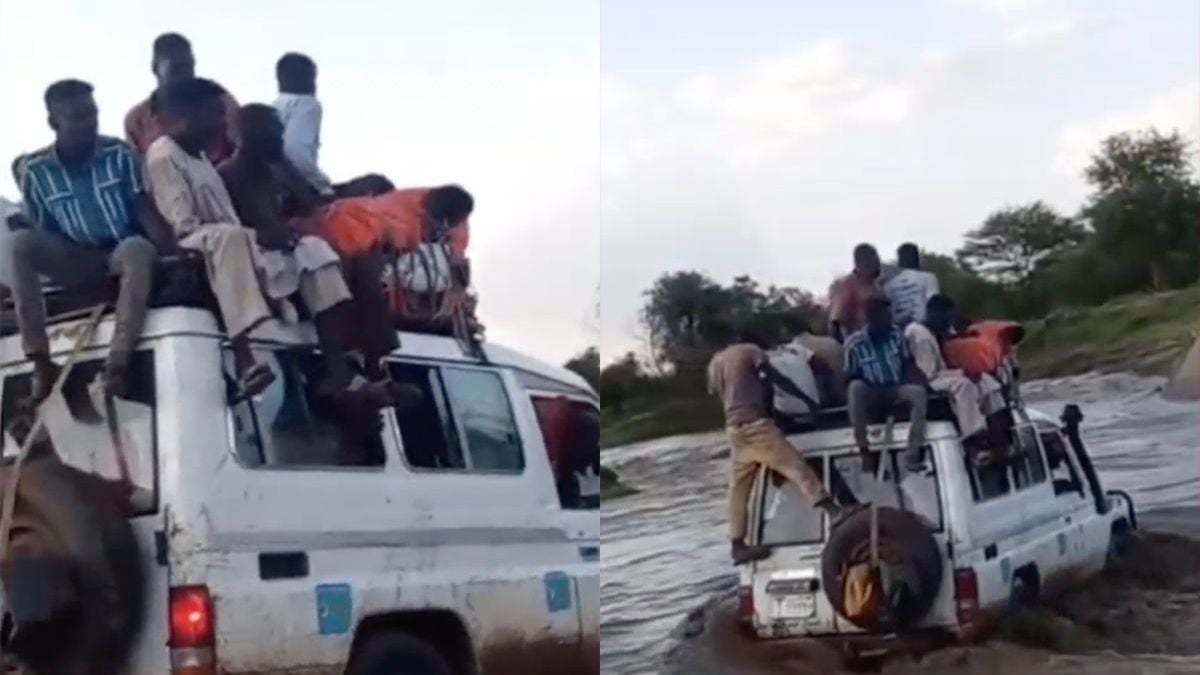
x,y
792,361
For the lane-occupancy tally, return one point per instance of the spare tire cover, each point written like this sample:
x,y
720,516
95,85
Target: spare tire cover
x,y
75,515
903,539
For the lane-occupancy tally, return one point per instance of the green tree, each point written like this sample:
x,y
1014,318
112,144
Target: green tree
x,y
975,296
689,316
587,364
682,314
1015,242
618,380
1145,205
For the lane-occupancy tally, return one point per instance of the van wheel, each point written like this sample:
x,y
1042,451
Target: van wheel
x,y
397,653
905,542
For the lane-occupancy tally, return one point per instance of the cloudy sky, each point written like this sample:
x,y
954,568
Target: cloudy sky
x,y
501,97
769,138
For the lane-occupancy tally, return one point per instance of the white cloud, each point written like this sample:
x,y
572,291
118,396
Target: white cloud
x,y
1008,7
616,96
774,105
1178,108
1041,29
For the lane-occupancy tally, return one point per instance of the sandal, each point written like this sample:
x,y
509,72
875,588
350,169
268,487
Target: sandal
x,y
254,381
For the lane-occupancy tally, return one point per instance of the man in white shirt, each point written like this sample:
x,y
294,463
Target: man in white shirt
x,y
973,400
300,110
911,288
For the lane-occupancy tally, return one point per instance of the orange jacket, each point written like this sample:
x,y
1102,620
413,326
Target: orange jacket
x,y
984,347
356,224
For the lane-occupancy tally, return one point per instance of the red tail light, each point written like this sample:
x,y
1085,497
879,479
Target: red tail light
x,y
966,594
191,617
746,604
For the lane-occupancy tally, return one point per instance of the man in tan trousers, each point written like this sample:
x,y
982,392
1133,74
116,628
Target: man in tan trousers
x,y
247,268
743,377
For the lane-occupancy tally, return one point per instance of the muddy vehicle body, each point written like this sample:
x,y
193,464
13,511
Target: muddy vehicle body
x,y
443,544
992,536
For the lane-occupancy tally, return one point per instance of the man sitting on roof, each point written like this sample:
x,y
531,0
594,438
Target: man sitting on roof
x,y
192,197
172,62
257,180
974,396
848,295
911,287
989,347
882,373
90,219
300,110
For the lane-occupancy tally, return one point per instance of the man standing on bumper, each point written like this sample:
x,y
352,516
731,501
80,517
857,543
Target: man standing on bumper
x,y
743,377
91,219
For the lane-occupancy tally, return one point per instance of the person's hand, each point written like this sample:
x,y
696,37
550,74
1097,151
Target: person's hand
x,y
282,239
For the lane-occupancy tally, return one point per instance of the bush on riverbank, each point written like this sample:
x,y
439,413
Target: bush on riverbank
x,y
1145,334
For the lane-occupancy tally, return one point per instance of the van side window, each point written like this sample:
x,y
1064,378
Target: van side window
x,y
1027,465
456,418
293,424
1062,471
571,431
79,432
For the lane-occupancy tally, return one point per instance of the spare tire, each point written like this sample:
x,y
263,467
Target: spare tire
x,y
904,541
75,517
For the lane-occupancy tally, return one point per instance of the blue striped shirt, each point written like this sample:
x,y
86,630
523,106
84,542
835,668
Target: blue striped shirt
x,y
877,362
93,204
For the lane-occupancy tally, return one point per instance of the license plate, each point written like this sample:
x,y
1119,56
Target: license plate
x,y
796,606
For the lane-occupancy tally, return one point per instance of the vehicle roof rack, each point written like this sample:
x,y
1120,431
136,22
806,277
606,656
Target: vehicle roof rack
x,y
937,410
181,280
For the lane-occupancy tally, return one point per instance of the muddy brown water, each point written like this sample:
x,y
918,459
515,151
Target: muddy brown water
x,y
667,583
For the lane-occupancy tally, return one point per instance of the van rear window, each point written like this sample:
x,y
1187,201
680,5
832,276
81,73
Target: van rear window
x,y
788,518
79,430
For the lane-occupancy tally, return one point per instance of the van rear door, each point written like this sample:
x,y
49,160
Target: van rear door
x,y
82,437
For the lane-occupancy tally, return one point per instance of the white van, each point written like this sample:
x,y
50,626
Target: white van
x,y
1003,534
443,545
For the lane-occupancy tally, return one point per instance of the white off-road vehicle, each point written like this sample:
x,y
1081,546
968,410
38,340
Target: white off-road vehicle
x,y
279,535
967,541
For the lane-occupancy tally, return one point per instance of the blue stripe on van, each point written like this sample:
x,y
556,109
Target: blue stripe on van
x,y
589,553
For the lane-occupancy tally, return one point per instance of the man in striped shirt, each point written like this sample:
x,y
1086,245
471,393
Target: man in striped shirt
x,y
90,219
882,373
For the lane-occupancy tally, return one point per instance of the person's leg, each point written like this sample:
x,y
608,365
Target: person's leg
x,y
768,446
229,258
133,262
325,294
917,399
741,481
34,254
858,402
964,398
372,314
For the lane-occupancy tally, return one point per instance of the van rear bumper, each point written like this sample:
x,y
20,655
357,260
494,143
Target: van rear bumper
x,y
874,644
